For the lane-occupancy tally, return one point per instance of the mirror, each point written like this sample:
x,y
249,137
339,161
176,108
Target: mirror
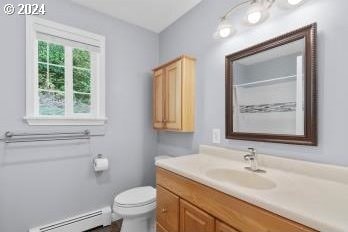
x,y
271,90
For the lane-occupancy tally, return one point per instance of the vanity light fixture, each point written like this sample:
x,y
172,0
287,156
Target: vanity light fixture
x,y
295,2
225,29
256,13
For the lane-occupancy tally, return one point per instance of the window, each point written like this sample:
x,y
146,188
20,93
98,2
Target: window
x,y
65,75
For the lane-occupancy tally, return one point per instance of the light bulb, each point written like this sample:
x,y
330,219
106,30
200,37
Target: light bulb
x,y
256,12
224,32
254,17
294,2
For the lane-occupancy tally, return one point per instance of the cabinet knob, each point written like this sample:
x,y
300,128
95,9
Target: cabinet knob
x,y
164,210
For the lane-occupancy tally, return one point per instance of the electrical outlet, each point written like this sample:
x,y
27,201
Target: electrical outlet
x,y
216,136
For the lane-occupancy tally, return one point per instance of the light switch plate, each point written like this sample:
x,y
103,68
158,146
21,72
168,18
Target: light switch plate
x,y
216,136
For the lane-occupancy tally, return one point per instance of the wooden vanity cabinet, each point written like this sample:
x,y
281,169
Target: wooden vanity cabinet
x,y
194,219
222,227
194,207
174,95
167,213
159,228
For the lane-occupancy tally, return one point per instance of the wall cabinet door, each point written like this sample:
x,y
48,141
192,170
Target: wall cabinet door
x,y
173,96
193,219
158,99
222,227
167,212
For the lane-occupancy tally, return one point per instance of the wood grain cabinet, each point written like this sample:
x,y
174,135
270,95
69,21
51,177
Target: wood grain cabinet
x,y
174,95
194,219
167,212
188,206
222,227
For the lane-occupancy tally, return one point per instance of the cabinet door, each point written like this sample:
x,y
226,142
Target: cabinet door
x,y
158,99
167,213
159,228
193,219
173,110
222,227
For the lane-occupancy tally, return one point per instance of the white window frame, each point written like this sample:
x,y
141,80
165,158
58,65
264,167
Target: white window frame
x,y
35,25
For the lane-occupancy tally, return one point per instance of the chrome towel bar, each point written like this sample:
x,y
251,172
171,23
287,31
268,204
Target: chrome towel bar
x,y
12,137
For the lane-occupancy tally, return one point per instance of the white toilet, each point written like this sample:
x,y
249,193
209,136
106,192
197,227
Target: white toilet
x,y
137,208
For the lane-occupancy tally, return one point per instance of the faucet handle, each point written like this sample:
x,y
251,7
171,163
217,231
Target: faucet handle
x,y
248,157
252,150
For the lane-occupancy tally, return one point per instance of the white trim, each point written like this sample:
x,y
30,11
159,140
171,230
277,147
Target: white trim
x,y
60,30
300,124
69,105
35,26
65,121
82,222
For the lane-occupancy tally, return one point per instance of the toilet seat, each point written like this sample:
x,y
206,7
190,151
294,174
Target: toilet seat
x,y
134,211
136,197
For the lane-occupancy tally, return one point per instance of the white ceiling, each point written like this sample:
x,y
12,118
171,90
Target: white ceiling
x,y
154,15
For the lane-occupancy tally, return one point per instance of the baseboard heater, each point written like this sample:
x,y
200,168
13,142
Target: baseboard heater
x,y
79,223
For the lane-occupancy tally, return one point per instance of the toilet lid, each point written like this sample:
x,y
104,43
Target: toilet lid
x,y
136,197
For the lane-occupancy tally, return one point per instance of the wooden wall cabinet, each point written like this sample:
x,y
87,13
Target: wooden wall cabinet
x,y
194,207
174,95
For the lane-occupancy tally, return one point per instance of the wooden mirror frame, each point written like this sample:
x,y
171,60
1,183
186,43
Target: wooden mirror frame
x,y
309,33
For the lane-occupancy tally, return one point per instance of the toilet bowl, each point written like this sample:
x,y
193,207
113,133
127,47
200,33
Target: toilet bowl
x,y
137,208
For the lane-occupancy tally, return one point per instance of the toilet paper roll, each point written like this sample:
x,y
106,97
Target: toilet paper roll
x,y
101,164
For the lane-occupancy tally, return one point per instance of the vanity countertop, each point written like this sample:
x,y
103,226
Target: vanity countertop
x,y
319,201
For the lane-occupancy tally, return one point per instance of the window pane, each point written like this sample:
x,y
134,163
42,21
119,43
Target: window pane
x,y
82,103
42,76
51,103
82,80
56,78
81,58
42,47
56,54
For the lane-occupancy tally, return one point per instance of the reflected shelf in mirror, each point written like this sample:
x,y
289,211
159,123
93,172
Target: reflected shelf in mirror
x,y
258,83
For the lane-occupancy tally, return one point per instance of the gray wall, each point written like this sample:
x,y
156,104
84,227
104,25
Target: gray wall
x,y
41,183
192,34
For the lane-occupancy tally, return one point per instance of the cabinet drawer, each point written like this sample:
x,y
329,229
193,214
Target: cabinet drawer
x,y
222,227
167,213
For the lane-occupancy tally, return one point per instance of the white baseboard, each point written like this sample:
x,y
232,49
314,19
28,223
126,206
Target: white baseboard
x,y
78,223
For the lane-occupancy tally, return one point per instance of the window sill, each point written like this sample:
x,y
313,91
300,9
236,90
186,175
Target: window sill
x,y
57,121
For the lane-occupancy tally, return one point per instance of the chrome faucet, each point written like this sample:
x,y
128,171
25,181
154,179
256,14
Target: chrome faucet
x,y
251,157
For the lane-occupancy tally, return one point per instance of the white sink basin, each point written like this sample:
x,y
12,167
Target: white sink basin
x,y
242,178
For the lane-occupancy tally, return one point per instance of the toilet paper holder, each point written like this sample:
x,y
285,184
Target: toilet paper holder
x,y
104,166
99,156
